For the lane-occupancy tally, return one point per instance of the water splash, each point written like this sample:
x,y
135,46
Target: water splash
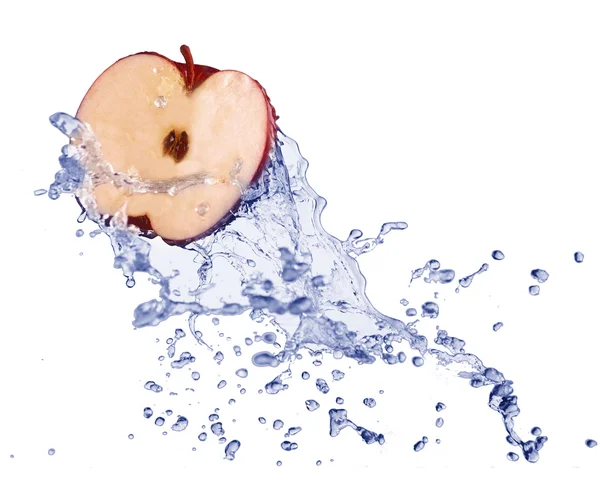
x,y
289,270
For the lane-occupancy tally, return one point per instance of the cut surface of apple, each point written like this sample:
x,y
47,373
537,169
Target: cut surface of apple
x,y
194,144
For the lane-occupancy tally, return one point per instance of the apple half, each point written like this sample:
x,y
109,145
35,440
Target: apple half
x,y
165,122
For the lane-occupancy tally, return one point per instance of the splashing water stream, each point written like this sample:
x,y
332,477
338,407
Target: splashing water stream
x,y
275,261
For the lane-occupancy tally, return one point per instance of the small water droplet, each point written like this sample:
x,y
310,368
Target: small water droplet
x,y
590,443
497,326
512,456
497,254
202,209
289,446
130,436
419,445
369,402
160,102
337,375
534,290
322,386
51,451
540,275
231,449
578,257
312,405
418,361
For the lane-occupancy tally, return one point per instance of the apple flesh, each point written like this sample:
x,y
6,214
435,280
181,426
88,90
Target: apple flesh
x,y
166,122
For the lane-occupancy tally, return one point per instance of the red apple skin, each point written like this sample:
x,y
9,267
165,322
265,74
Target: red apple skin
x,y
194,78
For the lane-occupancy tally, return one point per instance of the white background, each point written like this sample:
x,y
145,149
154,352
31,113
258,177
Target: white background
x,y
475,122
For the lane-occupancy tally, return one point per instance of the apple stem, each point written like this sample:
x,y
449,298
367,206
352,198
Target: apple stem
x,y
189,61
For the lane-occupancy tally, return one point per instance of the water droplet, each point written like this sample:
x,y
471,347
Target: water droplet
x,y
202,209
322,386
311,405
278,424
369,402
440,406
419,445
202,436
497,326
231,449
79,232
40,192
195,376
130,436
289,446
262,420
160,102
242,373
418,361
590,443
159,421
578,257
404,302
305,375
536,431
51,451
439,422
279,463
430,310
339,400
540,275
148,412
497,254
217,429
152,386
180,425
269,337
512,456
213,417
411,312
292,431
534,290
337,375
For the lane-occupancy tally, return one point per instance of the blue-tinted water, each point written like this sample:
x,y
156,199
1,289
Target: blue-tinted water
x,y
274,261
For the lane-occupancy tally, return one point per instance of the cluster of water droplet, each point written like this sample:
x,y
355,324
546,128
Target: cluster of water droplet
x,y
294,276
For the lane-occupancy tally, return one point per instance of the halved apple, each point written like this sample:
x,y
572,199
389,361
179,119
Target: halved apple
x,y
168,123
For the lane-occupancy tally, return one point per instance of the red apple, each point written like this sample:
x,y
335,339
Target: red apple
x,y
163,121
